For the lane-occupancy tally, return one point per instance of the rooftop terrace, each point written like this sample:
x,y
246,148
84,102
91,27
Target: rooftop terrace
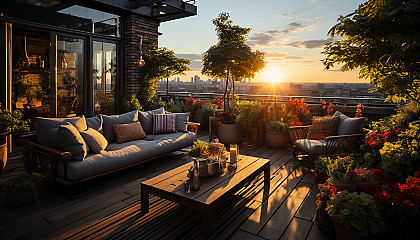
x,y
109,207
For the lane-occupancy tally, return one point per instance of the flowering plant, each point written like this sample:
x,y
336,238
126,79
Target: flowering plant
x,y
216,148
295,112
359,110
358,211
192,104
248,114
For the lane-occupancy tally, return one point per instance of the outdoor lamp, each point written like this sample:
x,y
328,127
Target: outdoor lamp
x,y
141,62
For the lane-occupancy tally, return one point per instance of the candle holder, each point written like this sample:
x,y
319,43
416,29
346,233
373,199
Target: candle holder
x,y
233,156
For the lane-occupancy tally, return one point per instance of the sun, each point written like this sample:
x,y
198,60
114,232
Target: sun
x,y
273,75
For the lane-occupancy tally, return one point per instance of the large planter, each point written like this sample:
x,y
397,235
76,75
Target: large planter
x,y
3,156
346,234
277,139
229,133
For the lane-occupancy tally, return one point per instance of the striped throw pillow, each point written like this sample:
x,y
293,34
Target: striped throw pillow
x,y
164,123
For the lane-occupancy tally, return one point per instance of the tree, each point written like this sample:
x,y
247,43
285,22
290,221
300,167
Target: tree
x,y
231,58
381,38
161,63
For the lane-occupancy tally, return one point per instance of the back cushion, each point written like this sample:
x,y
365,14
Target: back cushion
x,y
146,119
129,132
164,123
181,121
348,125
95,140
109,121
95,123
67,138
323,127
43,124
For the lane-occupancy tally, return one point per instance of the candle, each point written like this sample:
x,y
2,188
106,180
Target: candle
x,y
97,107
233,153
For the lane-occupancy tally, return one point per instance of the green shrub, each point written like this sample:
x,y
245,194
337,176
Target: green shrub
x,y
358,211
277,126
248,113
131,103
198,148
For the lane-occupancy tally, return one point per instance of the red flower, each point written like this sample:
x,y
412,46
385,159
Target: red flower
x,y
377,172
368,188
381,197
359,171
351,174
417,174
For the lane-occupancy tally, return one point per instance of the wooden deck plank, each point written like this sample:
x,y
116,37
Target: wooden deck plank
x,y
298,229
241,235
284,214
268,208
308,206
316,234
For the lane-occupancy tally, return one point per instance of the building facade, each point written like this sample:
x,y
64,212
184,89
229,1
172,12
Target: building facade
x,y
65,58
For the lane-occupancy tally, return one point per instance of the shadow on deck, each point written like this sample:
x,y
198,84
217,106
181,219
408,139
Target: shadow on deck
x,y
109,207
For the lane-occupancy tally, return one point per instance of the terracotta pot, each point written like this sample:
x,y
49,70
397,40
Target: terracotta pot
x,y
277,139
229,133
254,134
3,156
345,234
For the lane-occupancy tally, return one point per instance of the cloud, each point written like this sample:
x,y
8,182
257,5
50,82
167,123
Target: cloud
x,y
313,1
284,58
292,15
270,37
309,44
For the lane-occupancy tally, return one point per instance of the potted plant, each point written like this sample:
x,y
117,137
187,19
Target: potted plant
x,y
321,168
277,134
231,59
10,123
23,189
249,117
355,215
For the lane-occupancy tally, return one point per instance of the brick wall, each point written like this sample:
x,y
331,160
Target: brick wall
x,y
134,27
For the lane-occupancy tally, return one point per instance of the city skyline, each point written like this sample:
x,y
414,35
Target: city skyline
x,y
292,35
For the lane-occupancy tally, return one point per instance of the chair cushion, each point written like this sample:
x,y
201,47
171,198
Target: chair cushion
x,y
348,125
311,146
129,132
146,119
109,121
164,123
67,138
181,122
44,124
95,123
323,127
95,140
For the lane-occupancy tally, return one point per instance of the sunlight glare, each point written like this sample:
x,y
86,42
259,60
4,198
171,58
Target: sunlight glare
x,y
273,75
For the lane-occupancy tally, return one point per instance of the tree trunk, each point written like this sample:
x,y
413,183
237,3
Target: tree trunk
x,y
167,89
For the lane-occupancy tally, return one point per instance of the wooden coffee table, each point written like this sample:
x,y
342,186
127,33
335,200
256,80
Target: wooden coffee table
x,y
213,192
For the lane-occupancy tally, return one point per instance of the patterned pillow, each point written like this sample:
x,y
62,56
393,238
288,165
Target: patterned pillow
x,y
128,132
323,127
164,123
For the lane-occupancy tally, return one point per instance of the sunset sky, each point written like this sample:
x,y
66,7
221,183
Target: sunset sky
x,y
291,33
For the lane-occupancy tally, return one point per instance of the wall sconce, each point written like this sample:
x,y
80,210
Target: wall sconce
x,y
141,62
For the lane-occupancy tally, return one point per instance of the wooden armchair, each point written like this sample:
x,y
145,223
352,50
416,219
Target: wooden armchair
x,y
343,145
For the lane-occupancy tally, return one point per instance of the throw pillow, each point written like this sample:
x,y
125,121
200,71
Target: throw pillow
x,y
323,127
348,125
44,124
95,140
129,132
95,123
67,138
164,123
109,121
181,122
146,119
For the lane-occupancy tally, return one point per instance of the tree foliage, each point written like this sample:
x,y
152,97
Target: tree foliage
x,y
382,38
160,63
231,58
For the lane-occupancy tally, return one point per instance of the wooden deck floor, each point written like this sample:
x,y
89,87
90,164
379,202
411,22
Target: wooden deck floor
x,y
109,207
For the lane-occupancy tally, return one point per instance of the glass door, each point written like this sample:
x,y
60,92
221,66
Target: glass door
x,y
70,65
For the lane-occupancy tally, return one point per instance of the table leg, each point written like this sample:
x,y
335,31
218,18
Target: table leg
x,y
210,129
267,176
206,221
144,197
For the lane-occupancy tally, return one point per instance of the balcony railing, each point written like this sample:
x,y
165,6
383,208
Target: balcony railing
x,y
374,108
